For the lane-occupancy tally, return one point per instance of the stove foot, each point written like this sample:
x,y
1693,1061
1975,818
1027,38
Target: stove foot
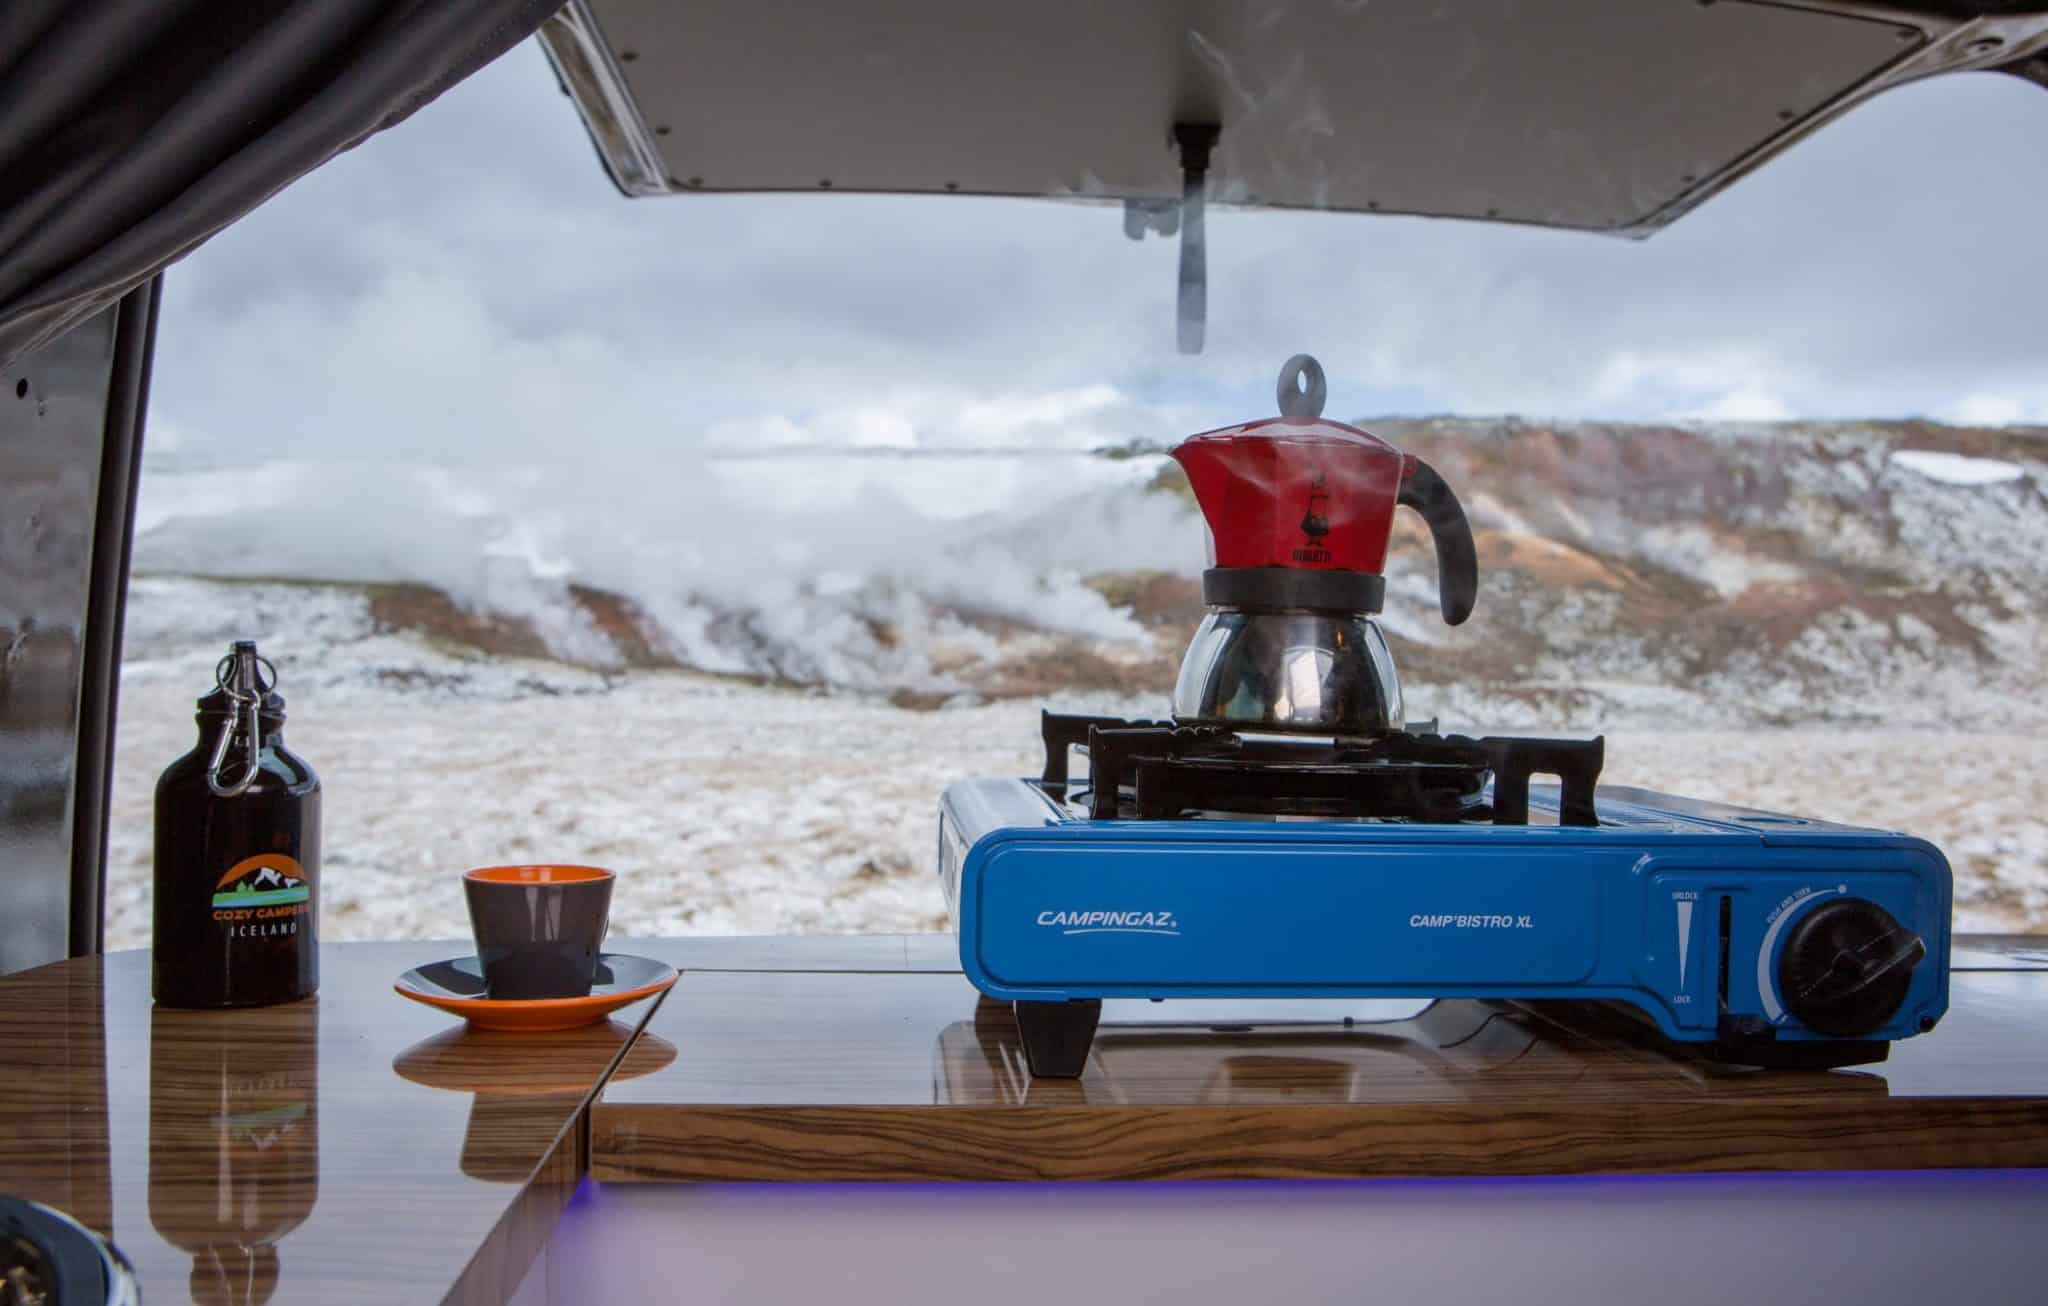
x,y
1749,1041
1057,1035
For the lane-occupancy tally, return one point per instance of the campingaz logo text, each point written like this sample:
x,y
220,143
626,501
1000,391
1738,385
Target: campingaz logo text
x,y
1110,922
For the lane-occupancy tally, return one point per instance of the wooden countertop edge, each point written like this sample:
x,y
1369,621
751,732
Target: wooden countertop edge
x,y
501,1260
1080,1143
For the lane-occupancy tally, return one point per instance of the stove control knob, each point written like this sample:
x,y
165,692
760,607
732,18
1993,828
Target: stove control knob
x,y
1846,967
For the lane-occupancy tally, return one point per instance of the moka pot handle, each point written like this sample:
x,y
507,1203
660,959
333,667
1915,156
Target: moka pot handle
x,y
1457,561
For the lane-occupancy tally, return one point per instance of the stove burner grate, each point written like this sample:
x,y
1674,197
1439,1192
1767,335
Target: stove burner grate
x,y
1165,772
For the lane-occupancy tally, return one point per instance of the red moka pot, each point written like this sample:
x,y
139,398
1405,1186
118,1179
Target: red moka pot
x,y
1299,511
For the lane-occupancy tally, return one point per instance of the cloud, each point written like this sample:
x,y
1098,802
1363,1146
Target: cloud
x,y
2023,403
1744,406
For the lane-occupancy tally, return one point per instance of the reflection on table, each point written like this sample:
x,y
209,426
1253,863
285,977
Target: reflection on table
x,y
1451,1051
234,1141
523,1080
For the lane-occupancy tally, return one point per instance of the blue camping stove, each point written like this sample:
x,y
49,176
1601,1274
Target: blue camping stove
x,y
1198,862
1289,834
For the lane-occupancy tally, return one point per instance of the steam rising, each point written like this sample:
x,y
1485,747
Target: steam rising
x,y
809,567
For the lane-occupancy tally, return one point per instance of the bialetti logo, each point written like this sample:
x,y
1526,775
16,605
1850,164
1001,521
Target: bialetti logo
x,y
1110,922
1315,522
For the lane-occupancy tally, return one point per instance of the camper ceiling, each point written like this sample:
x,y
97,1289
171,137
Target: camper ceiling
x,y
1603,115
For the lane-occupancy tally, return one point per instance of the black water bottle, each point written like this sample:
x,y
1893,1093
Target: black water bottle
x,y
237,853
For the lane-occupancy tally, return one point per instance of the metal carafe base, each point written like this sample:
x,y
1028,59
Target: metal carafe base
x,y
1295,672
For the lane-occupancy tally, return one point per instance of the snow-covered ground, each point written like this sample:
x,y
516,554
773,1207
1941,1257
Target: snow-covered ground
x,y
734,808
1955,469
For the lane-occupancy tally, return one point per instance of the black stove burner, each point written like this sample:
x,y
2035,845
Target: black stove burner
x,y
1154,770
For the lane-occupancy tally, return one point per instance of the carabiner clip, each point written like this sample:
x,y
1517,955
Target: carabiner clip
x,y
245,702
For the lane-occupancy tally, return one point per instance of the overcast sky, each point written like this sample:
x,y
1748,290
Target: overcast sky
x,y
470,286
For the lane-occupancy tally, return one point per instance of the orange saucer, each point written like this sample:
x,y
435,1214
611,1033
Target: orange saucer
x,y
457,986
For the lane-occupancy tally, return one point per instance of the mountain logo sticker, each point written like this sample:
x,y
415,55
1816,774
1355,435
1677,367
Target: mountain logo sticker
x,y
265,880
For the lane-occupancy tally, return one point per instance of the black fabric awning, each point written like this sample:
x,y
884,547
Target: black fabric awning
x,y
133,130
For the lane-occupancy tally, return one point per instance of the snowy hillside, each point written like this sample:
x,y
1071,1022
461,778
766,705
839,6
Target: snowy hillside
x,y
1878,573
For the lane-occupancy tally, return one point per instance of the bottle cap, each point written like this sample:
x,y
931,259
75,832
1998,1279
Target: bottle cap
x,y
242,672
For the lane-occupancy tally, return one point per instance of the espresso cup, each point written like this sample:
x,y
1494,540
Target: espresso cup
x,y
538,928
